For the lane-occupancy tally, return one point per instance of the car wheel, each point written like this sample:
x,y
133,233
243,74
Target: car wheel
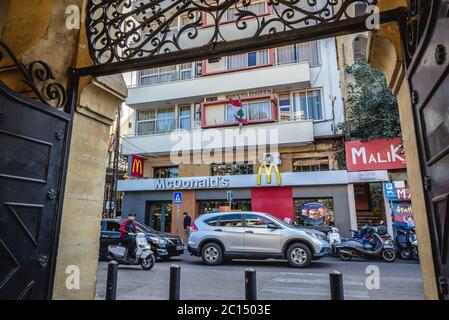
x,y
389,255
345,257
148,262
212,254
405,254
299,255
415,253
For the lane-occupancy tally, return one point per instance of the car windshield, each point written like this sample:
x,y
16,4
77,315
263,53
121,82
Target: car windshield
x,y
143,227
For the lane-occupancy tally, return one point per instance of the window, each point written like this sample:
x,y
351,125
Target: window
x,y
152,121
112,226
298,53
231,169
185,118
246,60
158,75
155,76
311,164
314,212
212,221
307,105
254,111
230,220
186,71
359,46
166,172
256,221
213,206
257,8
284,107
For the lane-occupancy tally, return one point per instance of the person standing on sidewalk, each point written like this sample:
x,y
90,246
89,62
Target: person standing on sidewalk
x,y
186,223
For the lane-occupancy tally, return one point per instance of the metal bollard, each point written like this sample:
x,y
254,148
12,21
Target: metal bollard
x,y
336,285
111,282
175,282
250,284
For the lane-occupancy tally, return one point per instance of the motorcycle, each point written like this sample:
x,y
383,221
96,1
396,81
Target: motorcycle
x,y
371,246
143,255
333,236
407,243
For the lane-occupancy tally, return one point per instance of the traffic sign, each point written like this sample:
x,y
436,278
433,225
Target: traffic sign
x,y
177,197
389,190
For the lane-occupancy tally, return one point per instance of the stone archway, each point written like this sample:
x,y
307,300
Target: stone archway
x,y
96,99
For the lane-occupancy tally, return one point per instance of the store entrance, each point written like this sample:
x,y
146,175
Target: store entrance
x,y
158,215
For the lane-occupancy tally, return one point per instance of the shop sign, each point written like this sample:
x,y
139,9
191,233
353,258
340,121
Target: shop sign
x,y
135,166
368,176
402,214
192,183
382,154
268,169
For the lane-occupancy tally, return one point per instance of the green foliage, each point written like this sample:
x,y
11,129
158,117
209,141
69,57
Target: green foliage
x,y
372,107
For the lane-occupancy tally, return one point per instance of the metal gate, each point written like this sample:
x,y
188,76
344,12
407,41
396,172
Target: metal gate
x,y
428,73
33,139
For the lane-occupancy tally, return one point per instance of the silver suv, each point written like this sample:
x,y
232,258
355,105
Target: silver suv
x,y
217,236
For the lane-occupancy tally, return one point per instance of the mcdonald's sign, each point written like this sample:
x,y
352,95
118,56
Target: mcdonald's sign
x,y
268,168
136,166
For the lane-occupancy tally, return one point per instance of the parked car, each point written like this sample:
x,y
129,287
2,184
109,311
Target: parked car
x,y
215,237
164,245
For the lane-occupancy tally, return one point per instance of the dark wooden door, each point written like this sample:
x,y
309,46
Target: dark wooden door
x,y
33,138
428,72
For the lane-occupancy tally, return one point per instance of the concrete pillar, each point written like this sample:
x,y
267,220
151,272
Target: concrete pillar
x,y
81,214
352,208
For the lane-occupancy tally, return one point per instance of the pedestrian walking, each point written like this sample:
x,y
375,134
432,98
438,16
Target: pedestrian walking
x,y
186,224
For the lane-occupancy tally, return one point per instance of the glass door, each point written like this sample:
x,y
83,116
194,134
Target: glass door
x,y
158,216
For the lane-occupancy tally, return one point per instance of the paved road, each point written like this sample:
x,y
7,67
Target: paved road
x,y
275,280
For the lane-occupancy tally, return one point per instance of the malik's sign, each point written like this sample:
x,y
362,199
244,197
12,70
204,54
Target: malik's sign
x,y
382,154
135,166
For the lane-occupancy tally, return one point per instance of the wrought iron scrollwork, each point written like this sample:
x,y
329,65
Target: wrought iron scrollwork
x,y
39,78
121,30
416,24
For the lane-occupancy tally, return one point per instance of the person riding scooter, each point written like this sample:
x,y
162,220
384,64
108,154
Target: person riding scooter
x,y
128,231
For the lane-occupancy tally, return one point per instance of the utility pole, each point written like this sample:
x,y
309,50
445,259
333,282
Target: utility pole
x,y
113,189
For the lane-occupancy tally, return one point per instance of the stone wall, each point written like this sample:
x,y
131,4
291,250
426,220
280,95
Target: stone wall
x,y
41,25
385,53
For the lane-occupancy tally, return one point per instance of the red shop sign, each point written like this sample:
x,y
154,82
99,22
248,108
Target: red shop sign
x,y
382,154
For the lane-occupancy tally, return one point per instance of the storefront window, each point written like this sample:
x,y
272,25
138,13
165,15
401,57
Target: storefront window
x,y
231,169
212,206
314,212
166,172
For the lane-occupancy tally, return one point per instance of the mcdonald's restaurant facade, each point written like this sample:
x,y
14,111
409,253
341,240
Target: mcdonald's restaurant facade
x,y
316,197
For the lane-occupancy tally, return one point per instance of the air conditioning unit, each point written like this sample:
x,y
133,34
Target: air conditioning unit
x,y
271,158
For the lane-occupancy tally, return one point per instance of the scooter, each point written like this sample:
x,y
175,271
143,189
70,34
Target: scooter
x,y
143,255
407,243
372,246
333,236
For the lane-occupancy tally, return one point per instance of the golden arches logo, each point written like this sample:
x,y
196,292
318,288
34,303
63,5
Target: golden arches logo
x,y
268,173
137,167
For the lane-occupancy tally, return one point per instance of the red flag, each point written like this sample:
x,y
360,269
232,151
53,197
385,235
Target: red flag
x,y
235,103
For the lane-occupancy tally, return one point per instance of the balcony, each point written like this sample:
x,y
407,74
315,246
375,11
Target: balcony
x,y
186,91
281,134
